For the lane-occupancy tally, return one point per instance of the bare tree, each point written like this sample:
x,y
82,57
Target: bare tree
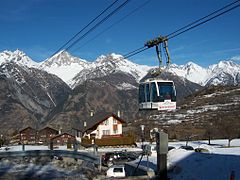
x,y
209,133
229,129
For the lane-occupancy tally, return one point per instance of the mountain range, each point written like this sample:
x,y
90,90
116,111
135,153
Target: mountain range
x,y
62,90
74,71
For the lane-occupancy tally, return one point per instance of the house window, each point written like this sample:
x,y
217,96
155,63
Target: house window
x,y
106,122
115,131
114,121
106,132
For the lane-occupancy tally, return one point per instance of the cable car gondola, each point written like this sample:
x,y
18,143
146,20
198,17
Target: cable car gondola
x,y
157,94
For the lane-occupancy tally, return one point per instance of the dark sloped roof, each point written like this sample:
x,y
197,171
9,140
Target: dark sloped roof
x,y
26,128
47,127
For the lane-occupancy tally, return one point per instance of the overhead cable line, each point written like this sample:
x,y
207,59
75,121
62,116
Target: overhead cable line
x,y
192,23
132,53
98,24
203,22
117,22
92,21
188,27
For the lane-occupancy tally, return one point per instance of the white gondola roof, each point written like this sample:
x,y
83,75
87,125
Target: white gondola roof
x,y
155,80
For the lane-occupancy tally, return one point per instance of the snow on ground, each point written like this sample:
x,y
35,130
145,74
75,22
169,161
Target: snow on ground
x,y
31,147
119,149
27,147
42,147
218,163
125,86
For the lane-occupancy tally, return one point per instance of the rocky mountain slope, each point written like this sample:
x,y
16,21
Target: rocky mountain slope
x,y
27,95
212,111
97,95
108,84
112,93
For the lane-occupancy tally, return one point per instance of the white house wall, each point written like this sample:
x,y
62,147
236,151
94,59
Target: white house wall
x,y
108,127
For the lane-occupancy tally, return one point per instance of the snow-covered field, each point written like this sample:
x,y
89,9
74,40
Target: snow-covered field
x,y
218,163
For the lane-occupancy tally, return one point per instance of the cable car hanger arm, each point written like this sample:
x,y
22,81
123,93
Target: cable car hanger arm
x,y
156,42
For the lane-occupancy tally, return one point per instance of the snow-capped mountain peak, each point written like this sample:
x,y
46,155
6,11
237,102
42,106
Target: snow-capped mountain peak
x,y
111,63
62,58
225,72
74,70
112,58
190,71
191,66
18,57
64,65
116,62
224,64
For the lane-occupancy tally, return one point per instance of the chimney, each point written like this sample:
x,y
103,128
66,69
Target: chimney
x,y
84,124
119,113
91,113
60,130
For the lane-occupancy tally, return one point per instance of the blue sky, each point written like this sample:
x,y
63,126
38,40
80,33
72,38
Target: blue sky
x,y
40,27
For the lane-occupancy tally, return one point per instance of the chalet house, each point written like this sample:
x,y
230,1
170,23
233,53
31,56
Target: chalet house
x,y
28,135
63,139
107,125
45,134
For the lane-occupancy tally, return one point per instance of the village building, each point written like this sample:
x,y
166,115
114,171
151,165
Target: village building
x,y
28,135
103,125
45,134
63,139
99,126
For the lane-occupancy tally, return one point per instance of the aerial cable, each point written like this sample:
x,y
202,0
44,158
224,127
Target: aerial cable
x,y
189,27
92,21
117,22
190,24
137,51
98,24
203,22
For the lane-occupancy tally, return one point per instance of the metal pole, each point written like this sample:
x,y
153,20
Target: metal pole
x,y
158,154
162,146
142,128
163,166
147,166
23,147
100,162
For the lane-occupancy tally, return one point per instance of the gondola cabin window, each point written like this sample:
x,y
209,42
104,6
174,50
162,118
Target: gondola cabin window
x,y
157,94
